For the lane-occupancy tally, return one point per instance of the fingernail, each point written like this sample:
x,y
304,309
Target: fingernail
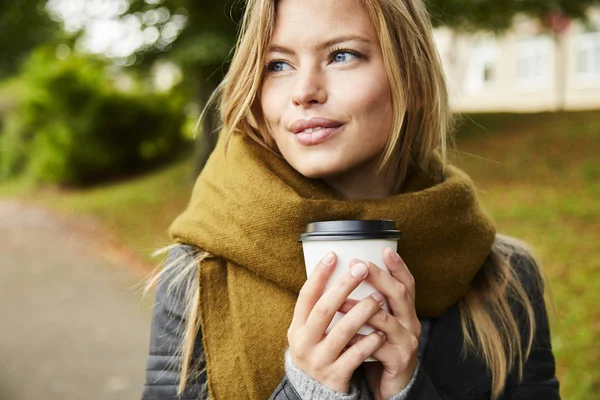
x,y
354,261
328,258
381,334
394,254
359,270
378,297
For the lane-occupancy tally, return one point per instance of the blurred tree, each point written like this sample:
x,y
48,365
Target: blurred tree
x,y
76,125
201,49
24,24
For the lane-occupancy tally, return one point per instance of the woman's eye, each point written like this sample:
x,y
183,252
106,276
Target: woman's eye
x,y
277,66
344,56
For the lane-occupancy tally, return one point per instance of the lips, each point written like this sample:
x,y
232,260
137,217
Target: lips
x,y
313,124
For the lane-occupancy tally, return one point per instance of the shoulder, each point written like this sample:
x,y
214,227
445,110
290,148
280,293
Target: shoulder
x,y
526,269
177,276
524,264
180,253
181,262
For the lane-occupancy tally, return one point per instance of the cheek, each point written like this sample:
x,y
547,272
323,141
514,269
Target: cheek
x,y
368,99
372,108
271,103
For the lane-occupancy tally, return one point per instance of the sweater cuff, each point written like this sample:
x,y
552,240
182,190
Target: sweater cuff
x,y
403,395
308,388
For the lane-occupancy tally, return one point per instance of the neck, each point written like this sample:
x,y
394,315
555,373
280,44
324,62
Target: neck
x,y
363,182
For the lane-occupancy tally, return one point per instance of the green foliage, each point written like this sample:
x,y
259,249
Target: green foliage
x,y
74,127
24,24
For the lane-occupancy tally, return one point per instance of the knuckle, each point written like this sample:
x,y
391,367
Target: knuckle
x,y
364,348
414,344
403,359
383,316
295,352
401,289
413,347
321,310
319,362
418,329
296,346
374,269
344,330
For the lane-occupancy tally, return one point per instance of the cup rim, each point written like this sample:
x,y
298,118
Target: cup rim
x,y
350,230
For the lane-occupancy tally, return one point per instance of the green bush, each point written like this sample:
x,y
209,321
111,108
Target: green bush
x,y
74,127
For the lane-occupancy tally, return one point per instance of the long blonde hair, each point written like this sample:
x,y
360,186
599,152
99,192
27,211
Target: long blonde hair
x,y
417,81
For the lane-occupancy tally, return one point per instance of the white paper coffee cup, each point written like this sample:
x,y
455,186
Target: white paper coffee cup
x,y
349,239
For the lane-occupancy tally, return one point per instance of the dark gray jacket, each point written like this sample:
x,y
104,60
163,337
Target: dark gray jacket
x,y
443,374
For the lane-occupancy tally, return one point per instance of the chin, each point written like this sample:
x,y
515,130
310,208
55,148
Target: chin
x,y
318,170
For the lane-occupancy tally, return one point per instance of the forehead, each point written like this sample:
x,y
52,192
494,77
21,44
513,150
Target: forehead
x,y
306,21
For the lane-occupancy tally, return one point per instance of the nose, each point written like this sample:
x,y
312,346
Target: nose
x,y
309,89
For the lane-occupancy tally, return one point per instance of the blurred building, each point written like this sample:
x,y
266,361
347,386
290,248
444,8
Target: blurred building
x,y
527,69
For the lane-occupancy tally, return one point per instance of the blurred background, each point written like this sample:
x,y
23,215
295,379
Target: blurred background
x,y
99,102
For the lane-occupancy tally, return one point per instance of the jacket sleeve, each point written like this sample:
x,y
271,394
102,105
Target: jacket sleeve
x,y
166,330
167,327
539,379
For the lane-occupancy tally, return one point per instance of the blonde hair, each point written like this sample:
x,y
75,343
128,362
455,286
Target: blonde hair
x,y
416,77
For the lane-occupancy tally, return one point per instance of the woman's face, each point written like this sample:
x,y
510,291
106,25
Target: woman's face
x,y
324,71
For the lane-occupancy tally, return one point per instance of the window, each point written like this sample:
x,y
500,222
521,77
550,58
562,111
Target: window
x,y
481,67
535,63
588,66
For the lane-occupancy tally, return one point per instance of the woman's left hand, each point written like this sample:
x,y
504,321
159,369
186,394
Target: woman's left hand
x,y
398,355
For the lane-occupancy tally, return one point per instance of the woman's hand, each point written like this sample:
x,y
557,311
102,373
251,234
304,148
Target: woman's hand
x,y
321,355
398,355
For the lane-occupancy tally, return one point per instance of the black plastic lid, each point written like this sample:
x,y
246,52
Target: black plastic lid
x,y
351,230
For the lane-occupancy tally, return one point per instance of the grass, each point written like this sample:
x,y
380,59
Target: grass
x,y
538,175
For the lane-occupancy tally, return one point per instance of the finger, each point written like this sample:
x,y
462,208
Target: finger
x,y
399,270
326,307
355,339
349,324
348,304
399,359
399,301
396,332
356,354
313,289
398,297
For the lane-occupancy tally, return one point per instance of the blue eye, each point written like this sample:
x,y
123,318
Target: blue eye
x,y
277,66
344,55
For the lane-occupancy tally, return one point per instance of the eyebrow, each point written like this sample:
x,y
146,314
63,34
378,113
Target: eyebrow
x,y
331,42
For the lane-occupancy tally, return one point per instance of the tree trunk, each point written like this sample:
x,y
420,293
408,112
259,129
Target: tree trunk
x,y
561,70
207,136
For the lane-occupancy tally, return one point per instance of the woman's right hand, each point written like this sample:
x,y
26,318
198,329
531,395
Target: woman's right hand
x,y
322,355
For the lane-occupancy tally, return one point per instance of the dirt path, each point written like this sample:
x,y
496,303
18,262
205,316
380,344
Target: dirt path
x,y
72,324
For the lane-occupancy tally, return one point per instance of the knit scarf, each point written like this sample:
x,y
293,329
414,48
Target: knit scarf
x,y
248,208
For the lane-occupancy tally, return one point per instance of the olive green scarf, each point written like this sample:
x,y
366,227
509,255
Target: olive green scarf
x,y
247,209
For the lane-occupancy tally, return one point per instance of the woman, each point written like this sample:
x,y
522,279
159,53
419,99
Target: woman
x,y
338,110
